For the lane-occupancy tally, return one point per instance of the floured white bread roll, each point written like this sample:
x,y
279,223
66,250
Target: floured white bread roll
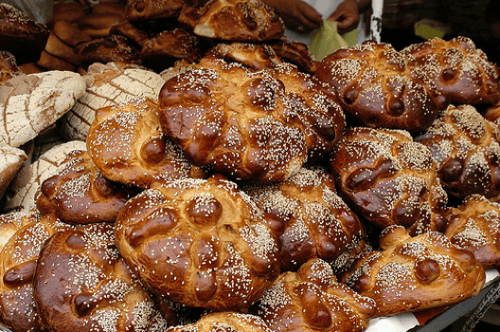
x,y
11,161
31,103
411,274
238,20
224,321
317,222
474,225
201,243
127,144
312,299
21,193
108,85
17,268
82,283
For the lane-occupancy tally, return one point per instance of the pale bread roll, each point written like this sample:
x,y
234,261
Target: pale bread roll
x,y
11,160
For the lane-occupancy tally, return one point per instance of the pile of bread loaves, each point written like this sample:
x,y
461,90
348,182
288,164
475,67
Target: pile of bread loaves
x,y
187,168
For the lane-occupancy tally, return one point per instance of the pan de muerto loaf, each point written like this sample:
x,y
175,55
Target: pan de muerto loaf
x,y
378,87
317,222
201,243
466,147
255,126
389,179
18,260
81,283
474,226
79,194
224,321
411,274
311,299
460,71
127,144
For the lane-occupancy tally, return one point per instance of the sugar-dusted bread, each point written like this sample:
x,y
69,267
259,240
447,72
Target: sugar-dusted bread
x,y
410,274
238,20
389,179
466,148
312,299
79,194
11,161
81,283
18,260
260,127
459,70
316,221
21,193
108,85
34,102
201,243
473,226
378,87
224,321
127,144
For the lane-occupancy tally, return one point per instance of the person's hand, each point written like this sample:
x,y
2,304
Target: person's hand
x,y
346,15
296,14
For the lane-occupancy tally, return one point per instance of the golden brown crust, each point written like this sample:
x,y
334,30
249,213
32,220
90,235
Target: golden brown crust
x,y
238,20
127,145
311,299
141,10
254,56
296,53
99,25
57,48
201,243
224,321
389,179
411,274
50,62
81,283
466,147
253,126
20,34
79,194
473,226
377,87
18,262
69,33
317,222
460,71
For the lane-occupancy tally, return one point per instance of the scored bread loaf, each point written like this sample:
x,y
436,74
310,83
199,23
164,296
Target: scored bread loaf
x,y
389,179
201,243
410,274
312,299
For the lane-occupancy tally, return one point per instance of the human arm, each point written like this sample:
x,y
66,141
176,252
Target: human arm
x,y
296,14
347,14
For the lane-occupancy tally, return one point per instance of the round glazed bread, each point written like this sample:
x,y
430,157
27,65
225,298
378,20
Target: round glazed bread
x,y
201,243
466,147
474,226
18,260
78,193
311,299
377,87
108,84
81,283
296,53
317,222
238,20
20,34
252,126
11,222
224,321
127,145
389,179
411,274
460,71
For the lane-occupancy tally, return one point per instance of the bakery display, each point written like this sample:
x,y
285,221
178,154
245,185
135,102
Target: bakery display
x,y
411,274
389,179
474,226
211,174
312,299
466,148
